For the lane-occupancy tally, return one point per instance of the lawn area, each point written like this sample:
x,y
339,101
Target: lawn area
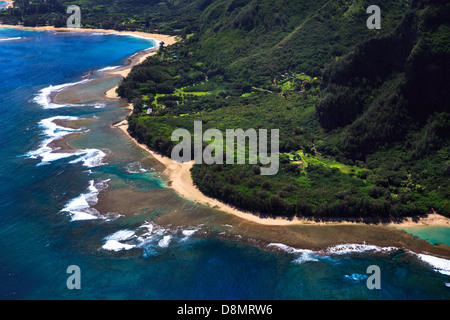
x,y
309,159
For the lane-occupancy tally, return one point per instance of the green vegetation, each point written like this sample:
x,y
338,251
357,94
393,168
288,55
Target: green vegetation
x,y
169,17
363,114
260,40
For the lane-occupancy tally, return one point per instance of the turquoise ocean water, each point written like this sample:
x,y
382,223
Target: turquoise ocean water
x,y
433,234
49,220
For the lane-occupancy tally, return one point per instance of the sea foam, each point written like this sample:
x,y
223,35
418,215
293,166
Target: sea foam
x,y
135,167
108,68
303,255
149,237
165,241
11,39
113,242
439,264
90,158
52,132
188,233
356,248
44,100
80,208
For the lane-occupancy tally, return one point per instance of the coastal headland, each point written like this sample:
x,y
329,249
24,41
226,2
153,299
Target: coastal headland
x,y
302,233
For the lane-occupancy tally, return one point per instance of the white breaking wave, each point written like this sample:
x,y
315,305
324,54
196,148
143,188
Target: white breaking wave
x,y
188,233
90,158
304,255
98,33
340,249
284,247
114,245
356,248
109,68
439,264
149,236
80,208
165,241
113,241
11,39
128,239
122,235
135,167
53,132
43,97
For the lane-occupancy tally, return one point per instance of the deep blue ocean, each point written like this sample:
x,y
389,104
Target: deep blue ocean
x,y
49,219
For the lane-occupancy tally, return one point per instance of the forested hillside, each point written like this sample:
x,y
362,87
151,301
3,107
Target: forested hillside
x,y
343,142
171,16
259,39
389,86
363,114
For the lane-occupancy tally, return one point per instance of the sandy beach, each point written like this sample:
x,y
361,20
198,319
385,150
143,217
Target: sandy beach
x,y
241,226
124,71
179,179
178,175
168,40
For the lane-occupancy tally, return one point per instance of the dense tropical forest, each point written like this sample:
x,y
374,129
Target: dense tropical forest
x,y
363,114
170,17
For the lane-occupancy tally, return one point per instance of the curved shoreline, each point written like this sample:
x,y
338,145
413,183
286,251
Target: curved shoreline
x,y
178,175
168,40
298,234
123,71
180,180
243,226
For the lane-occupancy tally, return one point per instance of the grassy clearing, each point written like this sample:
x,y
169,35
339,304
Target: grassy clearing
x,y
309,159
